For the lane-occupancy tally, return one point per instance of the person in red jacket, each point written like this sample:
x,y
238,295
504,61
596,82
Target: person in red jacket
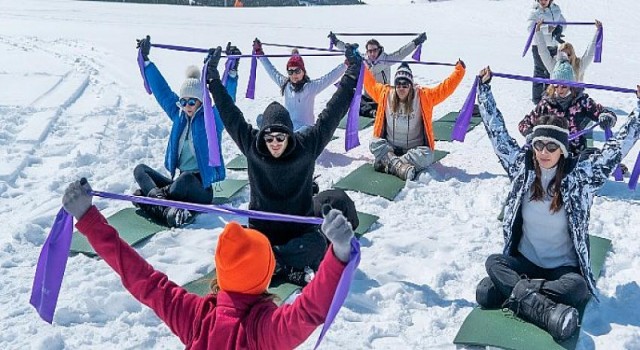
x,y
238,314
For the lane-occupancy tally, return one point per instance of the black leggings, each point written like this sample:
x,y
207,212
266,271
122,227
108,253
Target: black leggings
x,y
539,71
563,284
187,187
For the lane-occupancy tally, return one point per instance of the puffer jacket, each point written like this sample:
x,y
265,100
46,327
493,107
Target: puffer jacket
x,y
550,14
583,178
428,96
581,111
167,99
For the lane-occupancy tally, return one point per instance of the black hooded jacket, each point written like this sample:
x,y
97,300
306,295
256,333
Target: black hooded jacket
x,y
284,184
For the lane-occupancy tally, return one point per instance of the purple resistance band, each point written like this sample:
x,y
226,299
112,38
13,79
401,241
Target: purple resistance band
x,y
599,39
51,265
464,118
53,257
342,290
55,251
351,139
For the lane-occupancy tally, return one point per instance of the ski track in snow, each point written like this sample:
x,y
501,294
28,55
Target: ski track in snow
x,y
421,261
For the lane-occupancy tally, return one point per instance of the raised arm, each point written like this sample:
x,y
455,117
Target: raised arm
x,y
599,166
240,131
402,52
172,303
318,136
289,325
374,89
273,73
443,90
161,91
589,53
505,147
548,61
317,85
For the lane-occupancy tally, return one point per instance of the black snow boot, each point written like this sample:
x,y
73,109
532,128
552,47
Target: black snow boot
x,y
561,321
488,296
172,217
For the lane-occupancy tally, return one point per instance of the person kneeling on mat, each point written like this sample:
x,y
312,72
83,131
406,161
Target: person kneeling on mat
x,y
281,163
403,142
544,272
187,150
238,313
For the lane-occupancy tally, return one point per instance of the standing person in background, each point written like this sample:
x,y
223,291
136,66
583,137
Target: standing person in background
x,y
187,149
548,11
376,59
298,89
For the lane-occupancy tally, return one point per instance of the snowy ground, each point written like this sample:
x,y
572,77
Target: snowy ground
x,y
73,105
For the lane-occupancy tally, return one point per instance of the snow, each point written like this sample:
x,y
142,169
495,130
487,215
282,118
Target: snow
x,y
73,105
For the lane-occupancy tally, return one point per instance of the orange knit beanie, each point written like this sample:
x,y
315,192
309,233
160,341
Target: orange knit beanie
x,y
244,260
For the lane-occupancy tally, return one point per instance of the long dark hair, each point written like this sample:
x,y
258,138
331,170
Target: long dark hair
x,y
553,189
297,87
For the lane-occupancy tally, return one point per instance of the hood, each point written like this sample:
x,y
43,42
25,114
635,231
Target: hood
x,y
275,118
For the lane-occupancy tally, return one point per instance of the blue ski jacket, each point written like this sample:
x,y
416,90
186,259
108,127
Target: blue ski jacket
x,y
168,101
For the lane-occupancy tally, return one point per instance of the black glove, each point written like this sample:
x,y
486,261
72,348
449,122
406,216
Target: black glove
x,y
420,39
461,62
354,60
233,50
557,34
145,46
212,67
333,38
257,47
607,119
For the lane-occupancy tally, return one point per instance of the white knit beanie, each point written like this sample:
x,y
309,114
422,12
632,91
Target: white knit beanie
x,y
192,86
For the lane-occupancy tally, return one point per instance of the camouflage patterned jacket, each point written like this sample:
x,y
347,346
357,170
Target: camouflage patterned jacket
x,y
584,177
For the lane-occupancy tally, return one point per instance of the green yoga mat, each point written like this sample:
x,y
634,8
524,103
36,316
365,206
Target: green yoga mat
x,y
238,163
131,225
224,190
362,123
278,287
443,127
365,221
366,180
499,328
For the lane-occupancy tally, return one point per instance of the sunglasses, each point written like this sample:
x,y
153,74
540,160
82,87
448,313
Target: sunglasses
x,y
550,146
277,137
294,71
403,85
191,102
373,50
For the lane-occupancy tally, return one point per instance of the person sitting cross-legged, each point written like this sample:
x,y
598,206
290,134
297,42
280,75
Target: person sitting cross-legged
x,y
281,163
544,272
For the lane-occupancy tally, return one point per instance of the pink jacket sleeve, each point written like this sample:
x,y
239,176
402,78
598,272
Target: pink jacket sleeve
x,y
288,326
173,304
